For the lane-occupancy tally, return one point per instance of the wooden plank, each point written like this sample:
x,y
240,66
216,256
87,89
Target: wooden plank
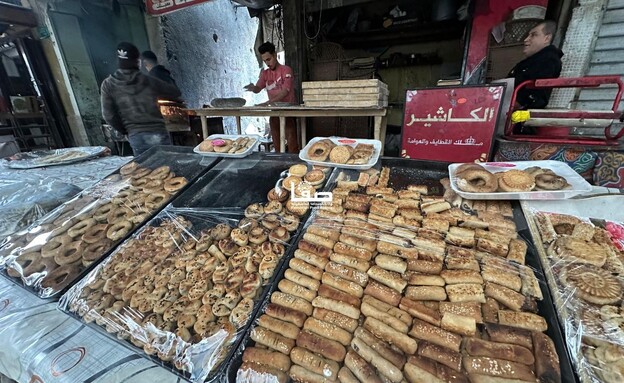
x,y
346,104
364,90
615,4
602,69
613,16
611,30
344,97
603,57
343,84
608,43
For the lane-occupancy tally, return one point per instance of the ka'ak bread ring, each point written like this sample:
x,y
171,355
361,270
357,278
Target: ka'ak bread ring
x,y
118,230
550,182
128,168
31,263
68,254
121,213
94,251
319,152
52,247
81,227
340,154
58,278
279,195
159,173
172,185
153,185
139,173
154,200
516,181
95,233
102,212
468,166
477,181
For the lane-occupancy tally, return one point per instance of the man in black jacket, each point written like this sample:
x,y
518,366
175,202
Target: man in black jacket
x,y
150,62
543,60
130,102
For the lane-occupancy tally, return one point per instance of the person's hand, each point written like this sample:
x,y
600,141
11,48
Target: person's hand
x,y
249,87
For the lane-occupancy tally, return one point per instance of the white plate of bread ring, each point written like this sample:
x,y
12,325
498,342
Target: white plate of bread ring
x,y
225,145
522,180
346,153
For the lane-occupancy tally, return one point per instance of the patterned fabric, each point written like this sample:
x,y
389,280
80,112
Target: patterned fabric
x,y
578,158
609,170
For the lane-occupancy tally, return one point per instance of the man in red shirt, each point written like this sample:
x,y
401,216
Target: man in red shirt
x,y
278,81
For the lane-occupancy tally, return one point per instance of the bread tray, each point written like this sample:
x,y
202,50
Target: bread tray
x,y
578,185
303,154
229,137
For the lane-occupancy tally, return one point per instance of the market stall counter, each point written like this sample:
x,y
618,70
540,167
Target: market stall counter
x,y
391,282
378,113
182,289
62,246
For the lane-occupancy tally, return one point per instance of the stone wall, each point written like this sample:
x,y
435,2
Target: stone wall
x,y
209,49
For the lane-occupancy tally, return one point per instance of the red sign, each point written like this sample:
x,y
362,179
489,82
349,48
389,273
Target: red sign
x,y
451,124
160,7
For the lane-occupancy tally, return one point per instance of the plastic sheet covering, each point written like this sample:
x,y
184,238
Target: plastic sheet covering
x,y
44,158
60,247
184,287
27,195
39,340
390,283
584,263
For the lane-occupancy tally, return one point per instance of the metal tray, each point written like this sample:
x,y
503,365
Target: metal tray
x,y
578,185
225,191
405,172
303,154
229,137
180,159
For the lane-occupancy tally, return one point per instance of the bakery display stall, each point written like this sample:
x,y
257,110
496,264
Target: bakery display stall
x,y
395,281
59,248
183,288
395,276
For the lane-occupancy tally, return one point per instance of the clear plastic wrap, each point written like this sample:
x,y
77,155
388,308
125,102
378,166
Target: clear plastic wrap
x,y
584,266
27,195
390,282
184,287
44,158
57,250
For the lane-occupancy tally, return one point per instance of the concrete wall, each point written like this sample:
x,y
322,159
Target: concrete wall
x,y
209,50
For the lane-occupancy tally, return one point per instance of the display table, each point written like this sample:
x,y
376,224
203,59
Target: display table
x,y
379,114
42,344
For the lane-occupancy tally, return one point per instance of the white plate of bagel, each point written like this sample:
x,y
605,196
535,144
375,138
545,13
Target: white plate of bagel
x,y
226,145
339,152
522,180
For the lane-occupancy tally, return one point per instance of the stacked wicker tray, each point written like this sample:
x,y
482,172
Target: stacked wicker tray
x,y
347,93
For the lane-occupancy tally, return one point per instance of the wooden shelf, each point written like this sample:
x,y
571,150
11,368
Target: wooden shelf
x,y
402,35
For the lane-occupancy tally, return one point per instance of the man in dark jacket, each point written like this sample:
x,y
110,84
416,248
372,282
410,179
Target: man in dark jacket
x,y
543,60
150,62
130,102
